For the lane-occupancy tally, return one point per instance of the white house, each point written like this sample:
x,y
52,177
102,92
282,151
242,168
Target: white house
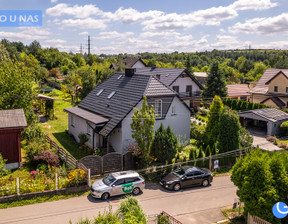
x,y
105,114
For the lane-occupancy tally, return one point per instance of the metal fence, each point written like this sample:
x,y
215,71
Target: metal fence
x,y
256,220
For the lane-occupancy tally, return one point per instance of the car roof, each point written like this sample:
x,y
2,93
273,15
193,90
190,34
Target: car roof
x,y
190,168
124,174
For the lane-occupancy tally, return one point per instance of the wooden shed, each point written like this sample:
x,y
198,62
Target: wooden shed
x,y
12,123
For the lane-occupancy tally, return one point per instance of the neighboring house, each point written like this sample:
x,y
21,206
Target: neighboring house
x,y
267,120
180,80
12,123
201,77
272,88
106,113
130,63
239,92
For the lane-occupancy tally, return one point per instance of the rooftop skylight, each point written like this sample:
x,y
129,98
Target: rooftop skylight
x,y
111,94
100,91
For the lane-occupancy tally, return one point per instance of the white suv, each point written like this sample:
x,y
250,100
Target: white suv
x,y
118,183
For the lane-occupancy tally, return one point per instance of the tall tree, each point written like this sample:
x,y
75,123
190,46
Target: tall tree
x,y
216,84
212,129
229,130
142,126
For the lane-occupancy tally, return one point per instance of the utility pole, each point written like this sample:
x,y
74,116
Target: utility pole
x,y
81,49
88,45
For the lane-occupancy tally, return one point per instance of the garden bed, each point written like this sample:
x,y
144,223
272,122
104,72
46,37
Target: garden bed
x,y
62,191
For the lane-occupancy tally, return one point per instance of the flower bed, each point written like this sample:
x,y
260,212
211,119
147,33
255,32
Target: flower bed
x,y
38,182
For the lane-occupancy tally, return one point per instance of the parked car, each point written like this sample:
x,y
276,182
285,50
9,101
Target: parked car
x,y
117,184
186,176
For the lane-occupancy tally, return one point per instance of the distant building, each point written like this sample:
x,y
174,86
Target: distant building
x,y
201,77
239,92
130,63
12,123
272,89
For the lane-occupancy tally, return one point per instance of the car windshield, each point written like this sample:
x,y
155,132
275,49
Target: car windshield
x,y
109,180
178,172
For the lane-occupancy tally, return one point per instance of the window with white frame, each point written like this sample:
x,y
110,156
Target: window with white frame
x,y
72,120
158,108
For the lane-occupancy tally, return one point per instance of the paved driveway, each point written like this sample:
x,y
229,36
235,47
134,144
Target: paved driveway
x,y
193,206
259,138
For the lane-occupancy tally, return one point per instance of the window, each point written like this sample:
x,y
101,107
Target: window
x,y
72,120
173,110
176,88
189,90
111,94
286,89
131,180
100,91
119,182
275,88
88,130
158,108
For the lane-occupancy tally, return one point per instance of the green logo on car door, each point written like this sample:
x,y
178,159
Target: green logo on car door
x,y
127,188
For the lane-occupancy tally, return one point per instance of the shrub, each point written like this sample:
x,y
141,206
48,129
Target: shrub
x,y
271,138
33,149
76,177
47,157
284,128
83,138
282,145
3,171
198,132
42,167
163,219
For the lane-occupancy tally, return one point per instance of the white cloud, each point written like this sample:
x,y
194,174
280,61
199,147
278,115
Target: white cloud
x,y
226,42
253,4
87,23
113,35
54,1
272,45
268,25
75,11
130,16
84,33
21,36
55,41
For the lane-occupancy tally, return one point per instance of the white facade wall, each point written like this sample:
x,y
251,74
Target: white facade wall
x,y
80,126
183,82
138,64
116,140
179,123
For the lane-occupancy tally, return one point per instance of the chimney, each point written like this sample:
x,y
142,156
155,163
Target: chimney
x,y
129,72
153,66
158,76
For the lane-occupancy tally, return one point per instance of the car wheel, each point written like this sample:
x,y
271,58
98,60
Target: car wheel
x,y
136,191
105,196
177,187
205,183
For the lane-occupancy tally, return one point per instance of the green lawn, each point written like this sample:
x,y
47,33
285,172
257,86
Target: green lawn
x,y
56,128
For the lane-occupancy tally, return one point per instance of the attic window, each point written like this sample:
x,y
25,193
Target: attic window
x,y
111,94
119,77
100,91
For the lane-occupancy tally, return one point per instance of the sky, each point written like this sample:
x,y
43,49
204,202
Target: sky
x,y
157,26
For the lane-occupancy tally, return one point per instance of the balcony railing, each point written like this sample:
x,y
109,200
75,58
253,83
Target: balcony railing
x,y
189,94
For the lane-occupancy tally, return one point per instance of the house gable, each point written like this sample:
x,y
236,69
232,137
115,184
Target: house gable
x,y
278,84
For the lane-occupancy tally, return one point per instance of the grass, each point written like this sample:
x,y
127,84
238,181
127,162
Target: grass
x,y
56,129
233,216
22,172
40,199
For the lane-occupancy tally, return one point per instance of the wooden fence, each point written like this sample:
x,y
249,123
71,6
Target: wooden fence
x,y
69,159
172,220
256,220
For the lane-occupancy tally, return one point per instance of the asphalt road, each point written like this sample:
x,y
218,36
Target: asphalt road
x,y
193,205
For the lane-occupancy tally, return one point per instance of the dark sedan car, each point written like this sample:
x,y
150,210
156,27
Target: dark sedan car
x,y
186,176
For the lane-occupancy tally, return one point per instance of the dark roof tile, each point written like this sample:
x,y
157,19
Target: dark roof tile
x,y
12,119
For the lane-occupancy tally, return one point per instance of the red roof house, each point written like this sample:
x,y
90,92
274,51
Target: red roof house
x,y
12,123
239,91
